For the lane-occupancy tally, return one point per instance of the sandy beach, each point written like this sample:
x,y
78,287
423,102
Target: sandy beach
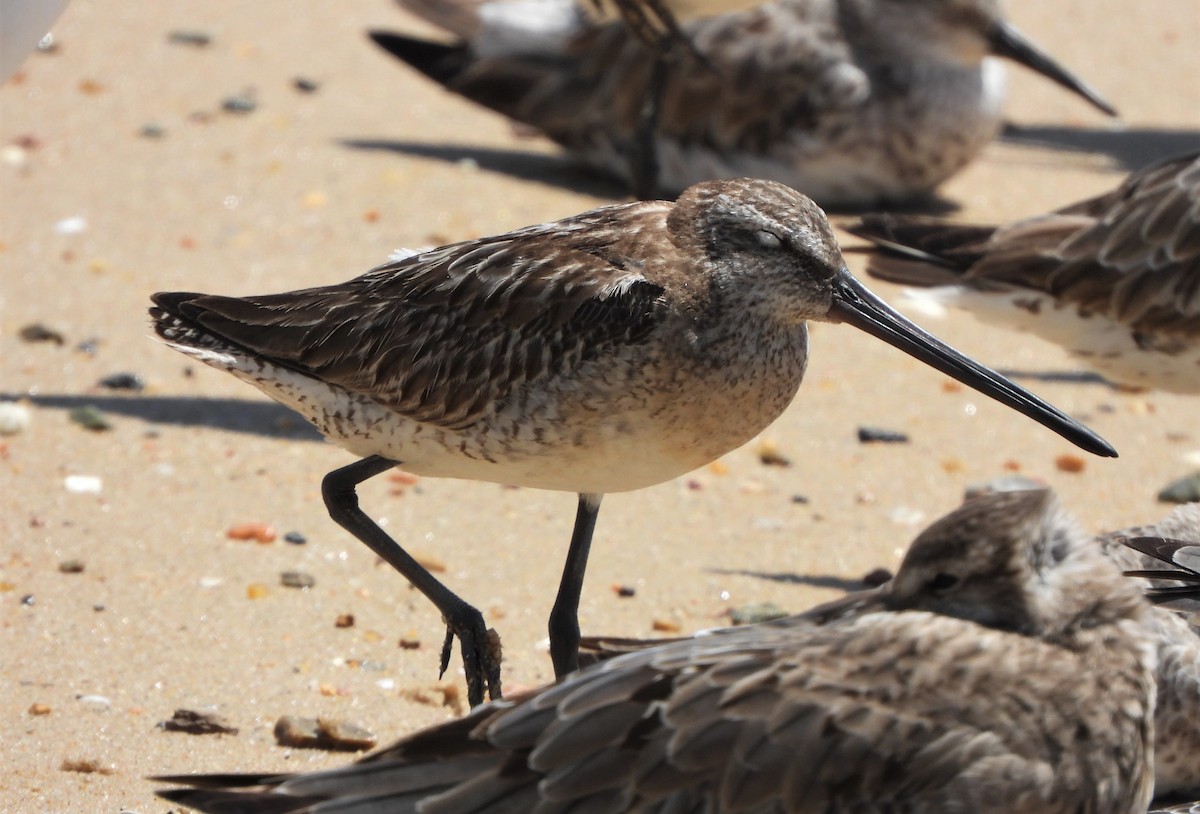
x,y
122,596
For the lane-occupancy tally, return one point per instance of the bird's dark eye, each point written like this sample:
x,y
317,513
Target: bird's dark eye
x,y
768,240
941,583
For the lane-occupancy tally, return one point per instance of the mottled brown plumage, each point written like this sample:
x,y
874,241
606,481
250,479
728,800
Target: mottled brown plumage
x,y
1114,279
853,102
1002,670
601,353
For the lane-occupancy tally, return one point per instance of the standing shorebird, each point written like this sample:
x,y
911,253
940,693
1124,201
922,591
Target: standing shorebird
x,y
605,352
853,102
1003,670
1115,279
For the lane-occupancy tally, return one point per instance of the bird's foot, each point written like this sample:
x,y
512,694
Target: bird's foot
x,y
481,653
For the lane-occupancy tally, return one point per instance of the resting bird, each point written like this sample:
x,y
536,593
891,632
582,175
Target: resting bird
x,y
1115,279
1002,670
853,102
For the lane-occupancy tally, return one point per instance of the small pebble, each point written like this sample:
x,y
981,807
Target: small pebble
x,y
28,600
756,612
39,709
430,563
83,484
98,700
410,642
876,577
1070,463
14,418
123,381
1184,490
71,566
197,723
74,225
196,39
875,435
322,733
258,532
295,538
769,454
88,346
344,620
241,103
84,766
799,499
90,418
305,85
152,131
624,591
664,626
256,590
40,332
297,579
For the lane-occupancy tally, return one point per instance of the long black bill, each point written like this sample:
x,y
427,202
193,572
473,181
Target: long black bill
x,y
1006,41
854,304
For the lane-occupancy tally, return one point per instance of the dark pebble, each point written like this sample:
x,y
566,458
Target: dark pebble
x,y
123,381
305,85
71,566
153,131
295,538
196,39
40,332
98,608
800,499
89,346
875,435
344,620
28,600
242,103
197,723
91,418
1184,490
626,591
322,733
877,577
297,579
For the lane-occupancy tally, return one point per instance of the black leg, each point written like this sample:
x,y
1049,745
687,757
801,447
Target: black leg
x,y
564,618
481,657
643,158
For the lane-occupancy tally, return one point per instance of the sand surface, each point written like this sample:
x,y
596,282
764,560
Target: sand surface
x,y
311,188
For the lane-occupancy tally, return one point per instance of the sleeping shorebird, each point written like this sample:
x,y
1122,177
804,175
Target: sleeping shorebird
x,y
1002,670
605,352
853,102
1143,550
1175,636
1115,279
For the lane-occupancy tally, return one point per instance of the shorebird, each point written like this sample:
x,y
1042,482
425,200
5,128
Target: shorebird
x,y
853,102
1115,279
1002,670
1177,674
601,353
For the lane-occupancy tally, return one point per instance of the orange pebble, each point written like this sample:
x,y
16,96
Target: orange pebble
x,y
258,532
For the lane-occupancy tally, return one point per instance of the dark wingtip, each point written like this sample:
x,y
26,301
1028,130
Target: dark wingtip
x,y
436,60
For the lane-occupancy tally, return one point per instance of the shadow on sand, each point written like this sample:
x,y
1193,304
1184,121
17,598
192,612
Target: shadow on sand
x,y
254,417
